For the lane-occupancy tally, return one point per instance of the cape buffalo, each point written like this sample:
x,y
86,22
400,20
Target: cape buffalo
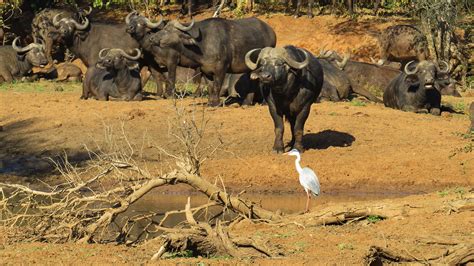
x,y
116,74
87,39
142,30
416,89
217,45
374,78
291,79
402,43
338,84
43,28
16,62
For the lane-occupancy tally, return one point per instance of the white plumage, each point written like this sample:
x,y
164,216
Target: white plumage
x,y
308,178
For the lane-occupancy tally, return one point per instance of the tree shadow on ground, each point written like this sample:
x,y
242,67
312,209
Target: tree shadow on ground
x,y
22,155
327,138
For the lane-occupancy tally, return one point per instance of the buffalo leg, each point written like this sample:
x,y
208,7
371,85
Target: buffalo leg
x,y
7,76
102,96
299,127
278,146
292,121
85,93
197,79
376,6
310,8
48,49
350,6
171,82
298,6
434,102
216,88
138,97
409,108
249,98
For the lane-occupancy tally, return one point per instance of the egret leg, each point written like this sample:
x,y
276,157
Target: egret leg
x,y
308,198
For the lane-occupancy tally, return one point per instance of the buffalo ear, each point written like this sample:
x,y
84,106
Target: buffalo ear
x,y
132,65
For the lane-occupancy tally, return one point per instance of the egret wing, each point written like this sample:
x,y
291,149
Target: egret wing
x,y
310,181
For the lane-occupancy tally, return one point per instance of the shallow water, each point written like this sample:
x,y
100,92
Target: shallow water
x,y
287,203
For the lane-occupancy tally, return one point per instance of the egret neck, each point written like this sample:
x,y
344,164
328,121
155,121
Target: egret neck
x,y
297,163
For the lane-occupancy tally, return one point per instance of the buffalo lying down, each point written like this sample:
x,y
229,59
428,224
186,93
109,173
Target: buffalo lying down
x,y
373,78
416,89
338,85
116,74
16,62
291,79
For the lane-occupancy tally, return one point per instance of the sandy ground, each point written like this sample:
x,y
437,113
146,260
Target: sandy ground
x,y
353,147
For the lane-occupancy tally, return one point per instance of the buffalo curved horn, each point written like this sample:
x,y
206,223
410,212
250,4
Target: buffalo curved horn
x,y
23,49
78,25
407,71
56,21
323,50
101,55
181,27
295,64
324,54
248,61
87,11
443,71
130,57
129,16
152,25
341,64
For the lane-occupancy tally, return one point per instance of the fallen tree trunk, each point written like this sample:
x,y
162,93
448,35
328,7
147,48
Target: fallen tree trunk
x,y
337,215
460,254
242,206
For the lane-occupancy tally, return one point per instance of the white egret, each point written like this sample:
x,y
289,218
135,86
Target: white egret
x,y
308,178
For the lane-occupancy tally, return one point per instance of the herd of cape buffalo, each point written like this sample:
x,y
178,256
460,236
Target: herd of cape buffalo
x,y
237,58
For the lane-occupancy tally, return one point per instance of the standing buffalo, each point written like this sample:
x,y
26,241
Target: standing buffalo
x,y
44,29
416,89
217,45
116,74
402,43
143,30
16,62
291,80
87,39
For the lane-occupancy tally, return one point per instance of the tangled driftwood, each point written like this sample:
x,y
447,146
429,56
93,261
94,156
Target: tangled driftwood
x,y
204,240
